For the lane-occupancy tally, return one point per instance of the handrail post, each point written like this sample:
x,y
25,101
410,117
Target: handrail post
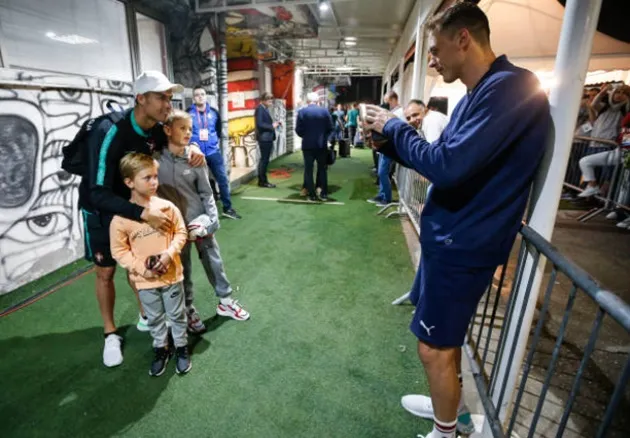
x,y
574,49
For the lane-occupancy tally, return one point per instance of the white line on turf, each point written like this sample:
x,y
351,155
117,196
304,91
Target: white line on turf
x,y
294,201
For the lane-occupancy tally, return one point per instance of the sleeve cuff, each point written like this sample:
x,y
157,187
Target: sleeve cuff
x,y
138,212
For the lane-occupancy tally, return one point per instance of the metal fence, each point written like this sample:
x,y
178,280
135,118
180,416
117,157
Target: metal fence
x,y
565,357
570,384
412,194
613,179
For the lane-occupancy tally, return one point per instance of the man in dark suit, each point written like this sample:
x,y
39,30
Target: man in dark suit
x,y
314,124
266,134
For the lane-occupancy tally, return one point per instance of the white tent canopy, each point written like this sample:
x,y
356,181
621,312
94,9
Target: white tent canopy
x,y
528,32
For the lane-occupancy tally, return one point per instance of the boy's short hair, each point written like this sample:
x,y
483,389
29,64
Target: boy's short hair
x,y
134,163
176,115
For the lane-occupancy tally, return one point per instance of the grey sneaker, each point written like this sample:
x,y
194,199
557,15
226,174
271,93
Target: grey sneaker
x,y
158,366
232,214
182,360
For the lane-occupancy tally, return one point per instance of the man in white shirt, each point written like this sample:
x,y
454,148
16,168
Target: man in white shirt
x,y
414,114
433,123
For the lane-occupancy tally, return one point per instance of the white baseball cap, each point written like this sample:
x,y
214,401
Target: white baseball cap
x,y
156,82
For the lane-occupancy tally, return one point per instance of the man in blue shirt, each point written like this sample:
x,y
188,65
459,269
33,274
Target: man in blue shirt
x,y
481,169
207,134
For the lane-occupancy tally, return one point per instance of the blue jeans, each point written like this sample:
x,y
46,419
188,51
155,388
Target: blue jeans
x,y
384,184
217,167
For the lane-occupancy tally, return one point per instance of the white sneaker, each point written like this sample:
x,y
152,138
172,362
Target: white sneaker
x,y
612,215
232,309
624,223
112,353
143,323
589,191
421,406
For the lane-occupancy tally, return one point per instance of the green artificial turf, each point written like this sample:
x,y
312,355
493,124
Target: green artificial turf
x,y
325,354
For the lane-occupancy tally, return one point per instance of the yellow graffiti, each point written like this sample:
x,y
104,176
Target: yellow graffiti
x,y
239,46
241,127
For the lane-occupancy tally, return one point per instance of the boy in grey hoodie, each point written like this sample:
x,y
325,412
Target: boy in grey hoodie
x,y
189,189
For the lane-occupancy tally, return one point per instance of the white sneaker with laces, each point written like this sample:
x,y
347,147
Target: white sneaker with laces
x,y
143,323
112,353
421,406
624,224
232,309
589,191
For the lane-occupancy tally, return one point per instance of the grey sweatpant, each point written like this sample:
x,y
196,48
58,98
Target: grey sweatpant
x,y
159,304
212,263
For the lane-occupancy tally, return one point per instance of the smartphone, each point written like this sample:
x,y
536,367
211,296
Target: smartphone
x,y
372,138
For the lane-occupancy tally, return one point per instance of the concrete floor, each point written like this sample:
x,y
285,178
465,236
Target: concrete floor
x,y
603,251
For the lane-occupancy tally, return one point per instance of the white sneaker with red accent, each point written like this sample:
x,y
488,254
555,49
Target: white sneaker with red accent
x,y
231,308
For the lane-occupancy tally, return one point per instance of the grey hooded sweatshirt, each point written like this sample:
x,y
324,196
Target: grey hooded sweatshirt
x,y
187,187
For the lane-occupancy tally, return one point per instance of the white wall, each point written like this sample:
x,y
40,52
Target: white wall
x,y
423,9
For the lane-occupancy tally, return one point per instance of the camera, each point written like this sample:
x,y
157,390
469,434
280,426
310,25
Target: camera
x,y
372,138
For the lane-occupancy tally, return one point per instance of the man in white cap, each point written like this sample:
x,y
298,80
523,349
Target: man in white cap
x,y
102,193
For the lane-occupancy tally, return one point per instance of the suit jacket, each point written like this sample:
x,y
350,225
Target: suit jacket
x,y
314,124
265,131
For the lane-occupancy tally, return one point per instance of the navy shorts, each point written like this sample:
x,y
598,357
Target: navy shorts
x,y
96,239
446,297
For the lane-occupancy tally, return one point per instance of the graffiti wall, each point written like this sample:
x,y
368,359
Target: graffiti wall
x,y
195,58
242,98
279,112
40,230
274,22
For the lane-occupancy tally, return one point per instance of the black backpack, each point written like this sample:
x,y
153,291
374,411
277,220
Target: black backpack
x,y
74,161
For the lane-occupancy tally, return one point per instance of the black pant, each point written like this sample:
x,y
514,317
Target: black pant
x,y
265,153
310,156
352,131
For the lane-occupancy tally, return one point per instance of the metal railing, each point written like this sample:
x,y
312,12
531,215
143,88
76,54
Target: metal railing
x,y
412,193
613,177
564,353
487,339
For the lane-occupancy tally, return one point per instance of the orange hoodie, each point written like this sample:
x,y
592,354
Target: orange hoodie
x,y
132,242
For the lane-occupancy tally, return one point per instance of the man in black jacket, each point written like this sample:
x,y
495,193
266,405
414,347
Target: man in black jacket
x,y
266,134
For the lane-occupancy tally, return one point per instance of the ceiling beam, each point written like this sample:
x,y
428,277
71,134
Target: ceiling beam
x,y
253,4
322,53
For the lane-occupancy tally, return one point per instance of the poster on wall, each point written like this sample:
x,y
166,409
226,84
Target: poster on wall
x,y
238,100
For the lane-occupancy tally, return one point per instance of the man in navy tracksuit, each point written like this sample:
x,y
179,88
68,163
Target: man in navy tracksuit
x,y
207,134
314,124
481,169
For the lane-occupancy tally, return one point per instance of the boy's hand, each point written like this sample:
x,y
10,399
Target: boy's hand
x,y
196,158
163,262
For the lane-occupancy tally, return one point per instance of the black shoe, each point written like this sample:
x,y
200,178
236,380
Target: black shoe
x,y
158,366
182,360
232,214
267,185
313,199
323,197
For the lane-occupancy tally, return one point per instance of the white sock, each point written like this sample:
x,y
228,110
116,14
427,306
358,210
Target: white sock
x,y
226,300
443,429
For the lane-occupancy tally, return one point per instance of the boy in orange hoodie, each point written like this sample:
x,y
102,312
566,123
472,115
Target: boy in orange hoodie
x,y
152,259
